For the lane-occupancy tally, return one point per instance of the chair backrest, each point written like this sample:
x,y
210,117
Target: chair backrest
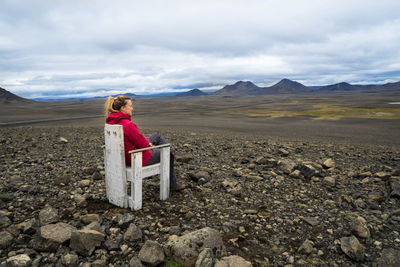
x,y
114,163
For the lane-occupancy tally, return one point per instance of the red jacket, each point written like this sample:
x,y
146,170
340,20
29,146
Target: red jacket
x,y
133,138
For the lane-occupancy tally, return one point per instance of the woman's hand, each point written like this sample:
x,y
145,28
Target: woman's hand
x,y
150,144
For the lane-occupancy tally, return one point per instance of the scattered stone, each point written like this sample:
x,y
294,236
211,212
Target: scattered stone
x,y
307,170
395,187
135,262
48,215
6,239
283,152
89,218
21,260
329,181
286,165
360,228
4,221
125,220
329,163
307,247
111,244
59,232
311,221
352,248
196,176
206,258
295,174
133,233
151,253
85,241
80,200
232,187
84,183
233,261
186,249
390,258
63,140
70,259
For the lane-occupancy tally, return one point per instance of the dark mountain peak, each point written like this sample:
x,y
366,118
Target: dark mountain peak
x,y
239,88
288,86
287,82
193,92
8,97
342,86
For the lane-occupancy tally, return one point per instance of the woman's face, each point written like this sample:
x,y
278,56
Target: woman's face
x,y
128,108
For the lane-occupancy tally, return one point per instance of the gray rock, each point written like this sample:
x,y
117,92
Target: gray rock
x,y
4,221
80,200
360,228
311,221
48,215
59,232
329,163
283,152
135,262
93,226
6,239
85,241
196,176
133,233
295,174
89,218
111,245
233,261
395,187
186,249
151,253
27,227
329,181
20,260
206,258
307,170
70,259
232,187
307,247
286,165
124,220
352,248
390,258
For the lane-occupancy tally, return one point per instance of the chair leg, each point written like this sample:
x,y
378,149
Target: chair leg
x,y
136,188
164,173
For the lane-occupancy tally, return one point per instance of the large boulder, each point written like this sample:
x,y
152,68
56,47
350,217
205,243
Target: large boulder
x,y
186,249
59,232
151,253
85,241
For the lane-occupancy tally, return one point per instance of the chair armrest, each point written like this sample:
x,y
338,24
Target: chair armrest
x,y
147,148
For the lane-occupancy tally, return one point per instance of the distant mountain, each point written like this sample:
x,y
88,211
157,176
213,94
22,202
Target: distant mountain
x,y
239,88
343,86
7,97
287,86
193,92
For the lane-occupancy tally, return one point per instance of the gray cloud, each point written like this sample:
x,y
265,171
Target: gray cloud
x,y
156,46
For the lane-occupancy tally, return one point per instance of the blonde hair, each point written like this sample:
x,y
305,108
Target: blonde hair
x,y
115,104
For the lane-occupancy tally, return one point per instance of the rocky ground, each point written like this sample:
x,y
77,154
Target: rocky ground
x,y
268,202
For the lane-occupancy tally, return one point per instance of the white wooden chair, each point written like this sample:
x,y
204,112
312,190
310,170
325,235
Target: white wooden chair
x,y
118,175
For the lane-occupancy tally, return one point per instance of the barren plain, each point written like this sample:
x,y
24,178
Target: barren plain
x,y
286,180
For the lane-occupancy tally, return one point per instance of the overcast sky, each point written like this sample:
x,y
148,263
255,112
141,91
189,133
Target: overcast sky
x,y
91,48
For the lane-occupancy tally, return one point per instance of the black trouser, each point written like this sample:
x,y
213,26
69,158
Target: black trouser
x,y
157,139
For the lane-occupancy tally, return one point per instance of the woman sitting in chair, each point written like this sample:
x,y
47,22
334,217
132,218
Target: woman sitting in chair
x,y
119,111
